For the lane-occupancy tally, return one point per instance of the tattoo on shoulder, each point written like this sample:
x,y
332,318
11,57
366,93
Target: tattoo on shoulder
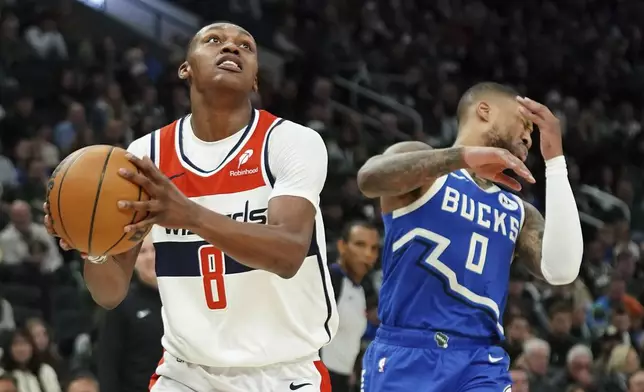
x,y
528,247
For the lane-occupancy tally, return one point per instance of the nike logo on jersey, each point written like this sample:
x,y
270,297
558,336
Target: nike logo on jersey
x,y
295,387
494,359
176,176
142,313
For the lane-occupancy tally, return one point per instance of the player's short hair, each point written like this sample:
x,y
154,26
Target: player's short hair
x,y
479,90
578,350
534,344
346,230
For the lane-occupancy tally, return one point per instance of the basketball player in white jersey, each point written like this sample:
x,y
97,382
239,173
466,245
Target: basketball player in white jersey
x,y
240,249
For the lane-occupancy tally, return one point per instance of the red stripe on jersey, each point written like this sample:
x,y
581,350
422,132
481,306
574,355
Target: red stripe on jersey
x,y
325,384
242,173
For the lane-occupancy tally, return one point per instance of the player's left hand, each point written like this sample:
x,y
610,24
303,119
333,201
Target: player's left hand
x,y
167,207
549,126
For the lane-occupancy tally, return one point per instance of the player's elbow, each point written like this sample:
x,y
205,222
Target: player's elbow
x,y
109,301
367,182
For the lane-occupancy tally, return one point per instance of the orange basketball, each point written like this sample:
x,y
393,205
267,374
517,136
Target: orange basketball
x,y
82,194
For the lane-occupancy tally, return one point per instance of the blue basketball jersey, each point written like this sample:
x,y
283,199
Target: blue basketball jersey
x,y
446,259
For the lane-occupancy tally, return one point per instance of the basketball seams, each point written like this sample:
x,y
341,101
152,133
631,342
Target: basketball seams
x,y
131,221
60,190
98,196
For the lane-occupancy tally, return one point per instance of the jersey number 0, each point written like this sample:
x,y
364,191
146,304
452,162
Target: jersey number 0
x,y
211,261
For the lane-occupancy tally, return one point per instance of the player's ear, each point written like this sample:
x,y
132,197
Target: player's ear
x,y
184,71
341,245
255,85
483,111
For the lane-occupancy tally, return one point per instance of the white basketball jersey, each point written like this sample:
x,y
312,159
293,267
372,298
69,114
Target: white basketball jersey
x,y
217,311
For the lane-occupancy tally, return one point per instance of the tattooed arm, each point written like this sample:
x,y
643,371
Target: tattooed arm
x,y
552,248
405,171
405,167
528,248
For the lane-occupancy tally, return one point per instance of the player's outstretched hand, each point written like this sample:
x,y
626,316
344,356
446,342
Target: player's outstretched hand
x,y
490,162
167,207
50,229
549,126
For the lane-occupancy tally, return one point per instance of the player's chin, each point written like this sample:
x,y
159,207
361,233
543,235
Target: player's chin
x,y
231,80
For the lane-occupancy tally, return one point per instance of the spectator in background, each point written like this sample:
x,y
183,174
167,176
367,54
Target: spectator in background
x,y
83,383
623,363
535,360
358,251
74,131
578,370
46,349
8,383
25,241
636,382
517,332
20,360
130,335
46,40
520,382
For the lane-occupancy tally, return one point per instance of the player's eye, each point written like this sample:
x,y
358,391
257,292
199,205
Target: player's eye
x,y
246,45
214,40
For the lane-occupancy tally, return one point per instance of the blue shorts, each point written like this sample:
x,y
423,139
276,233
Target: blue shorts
x,y
402,360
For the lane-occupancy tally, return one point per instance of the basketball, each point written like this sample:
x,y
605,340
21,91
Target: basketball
x,y
82,195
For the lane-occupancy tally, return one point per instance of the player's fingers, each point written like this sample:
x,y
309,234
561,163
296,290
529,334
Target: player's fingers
x,y
148,205
48,226
138,179
507,181
148,167
45,208
517,166
143,225
533,106
64,244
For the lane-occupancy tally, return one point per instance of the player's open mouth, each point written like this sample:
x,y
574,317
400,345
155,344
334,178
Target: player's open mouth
x,y
229,63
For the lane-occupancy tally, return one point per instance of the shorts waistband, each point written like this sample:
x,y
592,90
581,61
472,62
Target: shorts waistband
x,y
425,338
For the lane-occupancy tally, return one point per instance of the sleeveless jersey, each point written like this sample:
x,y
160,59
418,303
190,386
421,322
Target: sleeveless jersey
x,y
217,311
447,256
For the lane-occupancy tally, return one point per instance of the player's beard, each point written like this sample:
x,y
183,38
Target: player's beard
x,y
495,138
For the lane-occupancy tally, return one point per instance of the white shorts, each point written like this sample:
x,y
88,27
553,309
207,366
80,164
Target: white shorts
x,y
175,375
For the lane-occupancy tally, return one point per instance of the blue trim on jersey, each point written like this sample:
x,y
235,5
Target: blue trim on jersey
x,y
185,158
267,169
181,259
153,149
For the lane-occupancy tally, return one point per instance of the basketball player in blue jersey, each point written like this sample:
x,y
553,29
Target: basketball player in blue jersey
x,y
451,235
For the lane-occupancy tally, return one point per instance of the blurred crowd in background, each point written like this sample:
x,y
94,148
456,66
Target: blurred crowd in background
x,y
583,58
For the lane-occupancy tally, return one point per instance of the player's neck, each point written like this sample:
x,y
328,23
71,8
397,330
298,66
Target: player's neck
x,y
212,123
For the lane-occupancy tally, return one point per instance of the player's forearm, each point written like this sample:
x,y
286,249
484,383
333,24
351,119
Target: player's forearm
x,y
552,248
267,247
397,174
563,244
108,283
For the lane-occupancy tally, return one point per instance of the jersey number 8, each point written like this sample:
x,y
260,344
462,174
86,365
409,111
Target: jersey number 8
x,y
211,261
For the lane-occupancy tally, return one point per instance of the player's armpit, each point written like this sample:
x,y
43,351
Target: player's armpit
x,y
529,243
278,247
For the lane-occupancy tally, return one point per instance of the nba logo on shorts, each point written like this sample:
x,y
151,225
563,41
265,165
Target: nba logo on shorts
x,y
381,364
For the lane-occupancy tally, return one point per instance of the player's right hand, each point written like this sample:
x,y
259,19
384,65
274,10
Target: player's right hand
x,y
490,162
50,230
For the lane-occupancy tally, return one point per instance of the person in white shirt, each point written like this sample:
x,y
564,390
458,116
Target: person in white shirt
x,y
237,228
